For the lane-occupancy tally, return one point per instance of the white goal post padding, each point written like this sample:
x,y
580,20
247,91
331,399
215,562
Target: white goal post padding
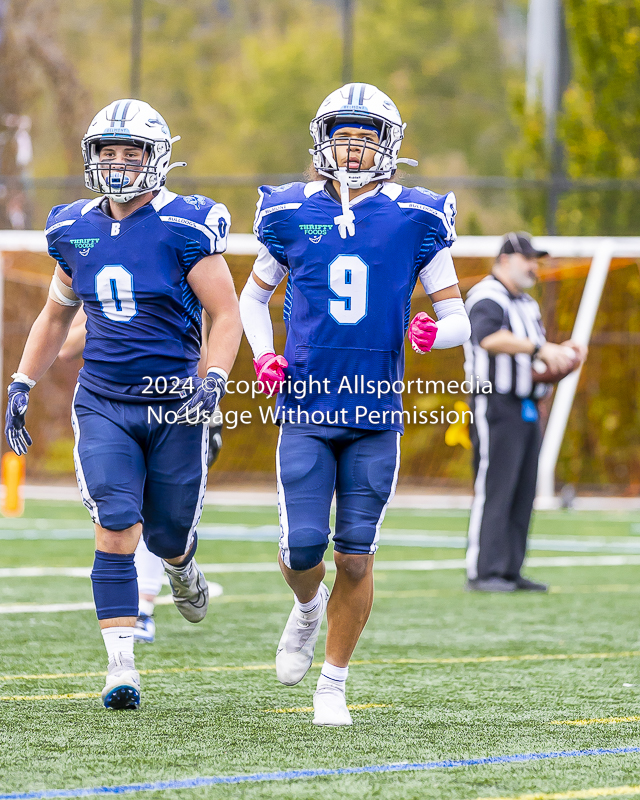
x,y
598,248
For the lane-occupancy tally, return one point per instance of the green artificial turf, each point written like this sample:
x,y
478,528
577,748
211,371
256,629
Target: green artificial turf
x,y
198,723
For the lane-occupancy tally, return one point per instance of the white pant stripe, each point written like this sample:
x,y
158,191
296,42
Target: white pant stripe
x,y
88,501
376,538
282,508
204,450
479,497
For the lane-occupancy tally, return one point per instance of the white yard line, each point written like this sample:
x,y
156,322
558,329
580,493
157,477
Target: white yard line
x,y
36,608
398,537
242,498
215,590
381,566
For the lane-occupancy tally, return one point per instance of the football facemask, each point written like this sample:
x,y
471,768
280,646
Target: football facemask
x,y
358,105
133,123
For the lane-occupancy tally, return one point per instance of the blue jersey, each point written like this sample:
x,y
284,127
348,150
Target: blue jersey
x,y
143,319
347,302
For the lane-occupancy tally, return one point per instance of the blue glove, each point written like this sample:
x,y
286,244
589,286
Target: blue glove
x,y
17,436
203,403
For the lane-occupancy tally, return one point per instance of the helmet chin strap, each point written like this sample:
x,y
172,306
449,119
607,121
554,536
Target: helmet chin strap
x,y
127,196
119,198
346,220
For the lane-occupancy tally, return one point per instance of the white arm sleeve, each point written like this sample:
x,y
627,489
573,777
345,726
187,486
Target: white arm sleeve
x,y
439,273
267,268
256,320
453,323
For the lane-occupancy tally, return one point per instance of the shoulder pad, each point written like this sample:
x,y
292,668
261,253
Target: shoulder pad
x,y
438,211
274,199
196,215
61,217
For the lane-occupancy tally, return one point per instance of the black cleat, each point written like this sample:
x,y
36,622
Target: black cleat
x,y
527,585
490,585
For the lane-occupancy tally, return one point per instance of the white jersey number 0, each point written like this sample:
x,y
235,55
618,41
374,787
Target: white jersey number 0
x,y
349,280
114,290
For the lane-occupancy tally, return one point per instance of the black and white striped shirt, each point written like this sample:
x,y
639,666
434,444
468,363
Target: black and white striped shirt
x,y
491,307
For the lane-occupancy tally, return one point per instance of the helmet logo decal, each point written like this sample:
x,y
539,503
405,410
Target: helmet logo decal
x,y
159,121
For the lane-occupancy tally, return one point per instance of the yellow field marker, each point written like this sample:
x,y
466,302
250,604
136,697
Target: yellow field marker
x,y
12,471
498,659
607,588
362,663
579,794
69,696
305,709
595,721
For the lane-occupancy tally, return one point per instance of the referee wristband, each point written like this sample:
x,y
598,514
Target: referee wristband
x,y
536,350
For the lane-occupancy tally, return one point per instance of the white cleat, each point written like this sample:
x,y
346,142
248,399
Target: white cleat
x,y
145,629
122,689
295,650
189,589
330,706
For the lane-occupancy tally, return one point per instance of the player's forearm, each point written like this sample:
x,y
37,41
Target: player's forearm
x,y
74,344
256,320
224,341
45,339
506,342
453,323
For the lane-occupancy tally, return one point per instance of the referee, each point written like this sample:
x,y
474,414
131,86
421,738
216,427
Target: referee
x,y
506,337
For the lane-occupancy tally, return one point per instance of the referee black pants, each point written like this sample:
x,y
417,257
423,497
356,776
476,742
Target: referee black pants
x,y
506,452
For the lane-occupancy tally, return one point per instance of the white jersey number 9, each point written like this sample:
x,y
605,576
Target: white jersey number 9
x,y
114,290
349,280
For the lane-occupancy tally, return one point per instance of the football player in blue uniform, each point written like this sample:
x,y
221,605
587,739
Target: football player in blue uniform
x,y
149,567
353,244
144,261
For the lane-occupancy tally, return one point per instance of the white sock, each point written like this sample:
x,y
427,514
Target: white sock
x,y
336,677
311,610
150,570
119,643
177,569
145,607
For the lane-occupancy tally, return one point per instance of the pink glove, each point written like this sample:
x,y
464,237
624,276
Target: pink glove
x,y
422,332
269,370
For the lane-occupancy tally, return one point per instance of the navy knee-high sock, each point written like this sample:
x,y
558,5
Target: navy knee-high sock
x,y
115,585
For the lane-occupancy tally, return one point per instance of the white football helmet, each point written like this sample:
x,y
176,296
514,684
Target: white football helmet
x,y
128,122
358,104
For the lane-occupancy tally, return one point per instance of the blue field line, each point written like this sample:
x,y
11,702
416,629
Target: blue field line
x,y
196,783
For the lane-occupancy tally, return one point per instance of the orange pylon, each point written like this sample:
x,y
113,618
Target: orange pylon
x,y
12,471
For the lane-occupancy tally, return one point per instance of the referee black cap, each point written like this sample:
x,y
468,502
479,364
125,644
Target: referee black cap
x,y
520,243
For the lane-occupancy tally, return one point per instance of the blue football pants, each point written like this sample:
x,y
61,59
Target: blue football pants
x,y
315,461
131,468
